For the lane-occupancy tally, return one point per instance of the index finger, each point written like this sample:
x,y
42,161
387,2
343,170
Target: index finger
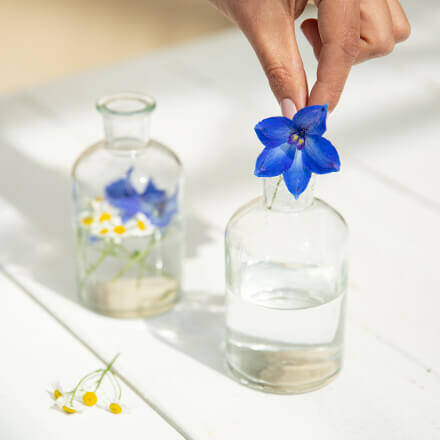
x,y
339,29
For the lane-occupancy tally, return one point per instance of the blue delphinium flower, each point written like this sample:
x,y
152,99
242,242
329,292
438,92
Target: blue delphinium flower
x,y
153,202
295,148
158,207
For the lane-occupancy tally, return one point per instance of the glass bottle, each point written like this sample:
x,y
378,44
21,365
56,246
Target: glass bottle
x,y
286,279
127,192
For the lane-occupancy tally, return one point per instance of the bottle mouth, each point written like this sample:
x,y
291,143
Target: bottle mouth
x,y
126,104
277,197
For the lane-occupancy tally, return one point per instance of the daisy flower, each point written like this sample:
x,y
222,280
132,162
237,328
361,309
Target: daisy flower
x,y
68,405
56,390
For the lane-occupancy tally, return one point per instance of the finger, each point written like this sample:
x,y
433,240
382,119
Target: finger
x,y
271,32
401,26
311,32
339,24
377,38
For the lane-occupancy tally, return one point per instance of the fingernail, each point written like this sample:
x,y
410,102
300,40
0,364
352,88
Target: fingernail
x,y
288,108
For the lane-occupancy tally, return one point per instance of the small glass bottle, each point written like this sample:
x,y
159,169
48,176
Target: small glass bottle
x,y
127,192
286,279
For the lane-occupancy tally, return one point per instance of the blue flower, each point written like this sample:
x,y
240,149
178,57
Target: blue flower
x,y
153,202
158,207
295,148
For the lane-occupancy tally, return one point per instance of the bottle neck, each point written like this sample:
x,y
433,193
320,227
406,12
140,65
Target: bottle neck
x,y
125,132
278,198
126,120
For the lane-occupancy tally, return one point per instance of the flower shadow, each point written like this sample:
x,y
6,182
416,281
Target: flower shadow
x,y
195,327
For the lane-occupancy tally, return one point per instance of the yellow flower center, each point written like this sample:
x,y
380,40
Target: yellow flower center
x,y
99,199
57,394
141,225
115,408
103,231
298,140
87,221
119,229
105,216
68,409
89,398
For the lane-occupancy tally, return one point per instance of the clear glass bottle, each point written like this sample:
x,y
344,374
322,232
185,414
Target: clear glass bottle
x,y
286,279
127,192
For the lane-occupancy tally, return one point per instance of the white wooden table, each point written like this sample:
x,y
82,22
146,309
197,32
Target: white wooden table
x,y
210,94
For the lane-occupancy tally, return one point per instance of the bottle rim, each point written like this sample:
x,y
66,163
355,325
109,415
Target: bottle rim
x,y
126,104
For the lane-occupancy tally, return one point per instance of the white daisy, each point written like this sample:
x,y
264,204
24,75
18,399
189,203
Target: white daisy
x,y
67,404
139,226
56,390
98,215
115,406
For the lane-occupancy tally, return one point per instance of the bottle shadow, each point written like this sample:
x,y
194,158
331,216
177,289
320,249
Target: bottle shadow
x,y
195,327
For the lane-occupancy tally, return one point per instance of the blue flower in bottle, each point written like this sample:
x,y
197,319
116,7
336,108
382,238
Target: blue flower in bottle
x,y
295,148
157,206
152,202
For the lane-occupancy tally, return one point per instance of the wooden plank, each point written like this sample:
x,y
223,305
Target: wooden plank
x,y
386,192
391,375
36,351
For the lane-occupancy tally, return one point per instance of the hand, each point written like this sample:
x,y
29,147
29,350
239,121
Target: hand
x,y
346,32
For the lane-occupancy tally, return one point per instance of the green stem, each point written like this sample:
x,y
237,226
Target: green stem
x,y
107,250
142,264
80,245
122,248
117,384
107,369
81,381
135,259
140,273
275,192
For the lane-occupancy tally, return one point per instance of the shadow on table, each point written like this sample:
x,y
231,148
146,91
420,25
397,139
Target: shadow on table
x,y
195,327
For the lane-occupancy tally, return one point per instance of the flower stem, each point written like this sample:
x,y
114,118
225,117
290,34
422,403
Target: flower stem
x,y
80,382
119,391
107,250
134,260
104,372
275,192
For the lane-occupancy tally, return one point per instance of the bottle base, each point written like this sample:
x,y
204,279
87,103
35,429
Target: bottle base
x,y
288,378
129,298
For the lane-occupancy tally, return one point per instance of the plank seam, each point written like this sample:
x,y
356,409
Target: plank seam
x,y
167,419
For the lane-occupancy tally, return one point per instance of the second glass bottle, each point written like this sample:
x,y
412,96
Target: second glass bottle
x,y
127,193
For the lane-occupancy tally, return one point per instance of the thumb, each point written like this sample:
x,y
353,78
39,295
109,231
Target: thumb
x,y
272,35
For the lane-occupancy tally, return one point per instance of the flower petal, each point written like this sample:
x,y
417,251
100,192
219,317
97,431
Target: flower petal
x,y
157,206
161,215
311,119
124,196
152,192
274,161
297,177
274,131
320,156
